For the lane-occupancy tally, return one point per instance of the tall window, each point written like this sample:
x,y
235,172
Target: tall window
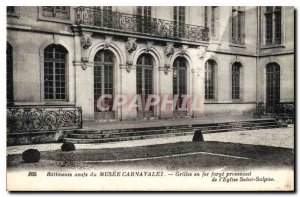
x,y
209,79
10,9
144,82
104,81
213,20
9,75
62,12
144,19
179,21
273,25
13,11
238,25
179,80
273,84
103,16
236,80
55,58
205,16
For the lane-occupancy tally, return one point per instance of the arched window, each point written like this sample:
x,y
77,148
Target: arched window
x,y
9,75
144,82
55,58
273,84
236,81
104,82
210,79
179,80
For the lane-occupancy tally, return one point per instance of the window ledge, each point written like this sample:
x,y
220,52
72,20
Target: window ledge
x,y
58,102
237,45
226,103
237,101
45,103
271,46
14,15
208,101
56,20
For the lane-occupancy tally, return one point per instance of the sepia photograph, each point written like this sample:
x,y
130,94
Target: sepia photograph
x,y
150,98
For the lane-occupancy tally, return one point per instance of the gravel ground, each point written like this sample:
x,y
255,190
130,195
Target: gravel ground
x,y
281,137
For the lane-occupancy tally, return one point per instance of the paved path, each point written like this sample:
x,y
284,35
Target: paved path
x,y
281,137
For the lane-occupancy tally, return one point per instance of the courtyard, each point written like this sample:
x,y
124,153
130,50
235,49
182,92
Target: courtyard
x,y
266,148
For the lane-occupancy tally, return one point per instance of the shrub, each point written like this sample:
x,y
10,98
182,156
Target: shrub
x,y
31,156
67,146
198,137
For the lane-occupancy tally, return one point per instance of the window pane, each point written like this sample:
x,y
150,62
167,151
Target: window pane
x,y
209,79
54,72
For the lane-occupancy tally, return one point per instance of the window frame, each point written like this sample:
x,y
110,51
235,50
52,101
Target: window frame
x,y
55,100
237,31
42,93
41,17
142,66
214,73
179,20
241,84
179,64
102,66
144,19
276,70
264,44
16,12
103,16
9,74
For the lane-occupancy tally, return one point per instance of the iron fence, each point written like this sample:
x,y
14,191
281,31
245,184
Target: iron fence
x,y
92,16
36,119
281,111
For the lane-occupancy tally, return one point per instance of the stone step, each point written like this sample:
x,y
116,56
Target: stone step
x,y
124,134
240,129
163,131
235,126
104,140
218,125
150,136
101,136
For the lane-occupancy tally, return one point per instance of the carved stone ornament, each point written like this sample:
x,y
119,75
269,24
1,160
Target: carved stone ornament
x,y
129,66
148,47
86,40
169,49
84,61
107,43
183,50
131,45
167,68
202,52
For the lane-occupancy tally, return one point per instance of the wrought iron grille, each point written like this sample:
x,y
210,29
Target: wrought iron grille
x,y
131,23
37,119
281,111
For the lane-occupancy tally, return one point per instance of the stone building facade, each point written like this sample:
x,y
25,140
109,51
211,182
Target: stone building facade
x,y
229,58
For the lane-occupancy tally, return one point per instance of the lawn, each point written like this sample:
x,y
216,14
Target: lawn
x,y
259,156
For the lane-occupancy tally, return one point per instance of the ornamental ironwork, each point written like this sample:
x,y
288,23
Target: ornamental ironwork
x,y
131,23
37,119
279,111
